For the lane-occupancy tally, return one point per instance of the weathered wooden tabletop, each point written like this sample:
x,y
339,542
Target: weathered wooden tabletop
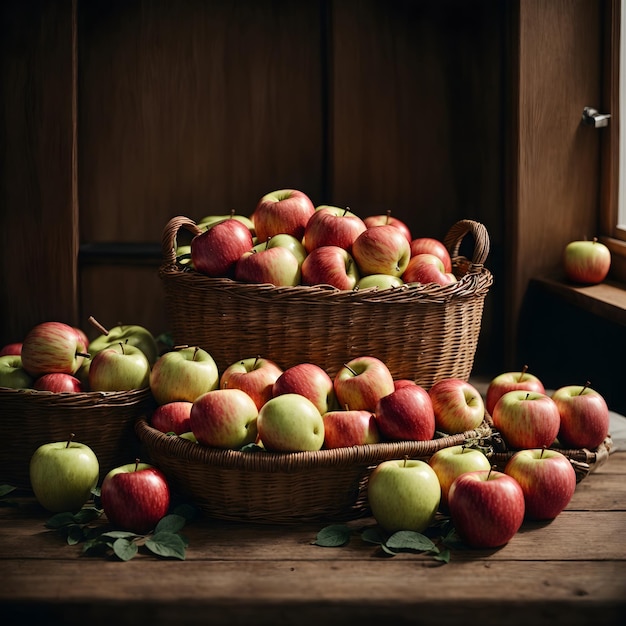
x,y
570,571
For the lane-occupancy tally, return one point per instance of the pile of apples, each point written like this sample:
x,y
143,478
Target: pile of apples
x,y
487,506
301,408
57,357
287,241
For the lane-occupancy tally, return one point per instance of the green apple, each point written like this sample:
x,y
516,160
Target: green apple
x,y
290,423
283,240
404,494
131,334
62,475
212,220
183,374
189,436
12,374
121,367
379,281
451,462
183,255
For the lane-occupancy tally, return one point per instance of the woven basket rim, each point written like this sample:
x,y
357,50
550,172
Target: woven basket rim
x,y
84,399
366,454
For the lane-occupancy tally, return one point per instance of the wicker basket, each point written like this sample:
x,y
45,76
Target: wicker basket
x,y
422,332
279,487
102,420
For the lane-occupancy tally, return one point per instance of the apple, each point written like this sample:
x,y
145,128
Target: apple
x,y
121,367
362,382
547,479
308,380
398,383
58,383
429,245
330,265
487,508
584,416
406,414
283,211
283,240
211,220
526,419
586,262
388,219
135,497
224,418
11,349
403,494
256,376
427,268
83,337
449,463
381,250
509,381
183,255
457,404
274,266
52,347
172,417
63,474
215,251
189,436
12,374
183,374
290,423
130,334
379,281
332,226
349,428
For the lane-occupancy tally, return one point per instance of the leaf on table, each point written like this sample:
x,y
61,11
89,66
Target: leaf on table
x,y
333,536
167,544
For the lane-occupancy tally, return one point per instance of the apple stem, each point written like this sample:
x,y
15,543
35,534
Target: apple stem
x,y
493,468
350,369
388,216
84,354
69,440
232,213
406,458
543,449
585,386
122,346
136,464
195,352
256,360
526,398
97,325
524,370
267,243
346,210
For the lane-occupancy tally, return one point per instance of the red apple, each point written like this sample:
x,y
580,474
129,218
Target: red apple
x,y
584,416
381,250
586,262
349,428
52,347
457,404
429,245
449,463
526,419
224,418
172,417
308,380
272,265
387,218
256,376
362,382
11,349
403,382
547,479
487,508
332,226
215,252
406,415
330,265
427,268
58,383
509,381
135,497
283,211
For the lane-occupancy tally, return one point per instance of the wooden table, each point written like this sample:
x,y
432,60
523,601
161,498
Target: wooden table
x,y
570,571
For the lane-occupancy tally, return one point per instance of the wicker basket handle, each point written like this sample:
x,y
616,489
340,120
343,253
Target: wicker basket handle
x,y
170,233
457,233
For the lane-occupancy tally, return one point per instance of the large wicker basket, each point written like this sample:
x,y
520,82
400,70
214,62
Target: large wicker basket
x,y
102,420
422,332
281,488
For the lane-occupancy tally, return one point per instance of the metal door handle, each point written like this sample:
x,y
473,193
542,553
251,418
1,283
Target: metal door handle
x,y
591,117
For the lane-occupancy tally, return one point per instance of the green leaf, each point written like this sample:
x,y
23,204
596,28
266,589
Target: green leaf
x,y
119,534
170,523
373,535
410,540
59,520
95,547
124,549
333,536
86,515
167,544
74,534
251,447
387,550
6,489
443,556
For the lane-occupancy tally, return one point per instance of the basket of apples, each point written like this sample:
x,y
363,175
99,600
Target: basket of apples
x,y
260,442
55,384
320,284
